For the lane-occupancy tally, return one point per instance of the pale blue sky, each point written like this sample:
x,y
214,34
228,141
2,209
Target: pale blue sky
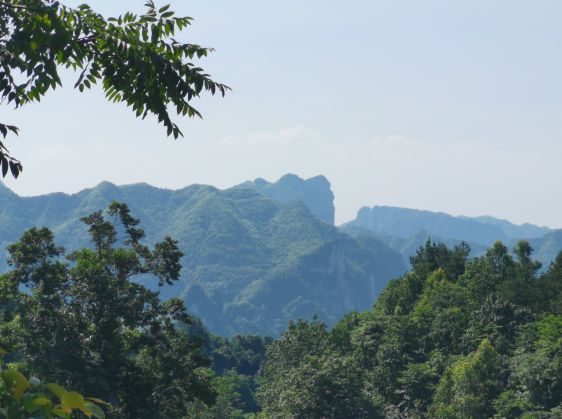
x,y
453,106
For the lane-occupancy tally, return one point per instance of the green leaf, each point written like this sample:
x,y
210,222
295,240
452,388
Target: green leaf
x,y
42,401
56,389
58,411
27,402
98,401
5,165
94,410
73,400
18,381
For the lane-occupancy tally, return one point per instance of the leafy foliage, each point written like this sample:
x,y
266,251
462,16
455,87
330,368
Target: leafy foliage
x,y
453,338
84,323
468,388
21,398
136,59
301,379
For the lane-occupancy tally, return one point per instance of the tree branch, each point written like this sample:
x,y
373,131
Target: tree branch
x,y
18,6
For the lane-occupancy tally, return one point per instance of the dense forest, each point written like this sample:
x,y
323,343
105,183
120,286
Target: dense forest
x,y
456,337
453,338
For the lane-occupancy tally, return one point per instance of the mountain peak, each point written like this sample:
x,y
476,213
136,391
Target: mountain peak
x,y
315,193
290,178
105,184
5,191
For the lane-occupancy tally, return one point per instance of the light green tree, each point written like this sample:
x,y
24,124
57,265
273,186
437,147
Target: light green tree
x,y
469,387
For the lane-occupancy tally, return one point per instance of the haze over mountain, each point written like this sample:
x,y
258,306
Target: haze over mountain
x,y
261,253
251,262
404,222
405,230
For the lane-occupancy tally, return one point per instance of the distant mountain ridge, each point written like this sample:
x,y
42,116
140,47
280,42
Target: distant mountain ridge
x,y
404,222
251,262
405,230
511,230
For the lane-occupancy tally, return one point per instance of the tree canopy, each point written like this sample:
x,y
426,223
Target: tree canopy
x,y
135,59
87,323
453,338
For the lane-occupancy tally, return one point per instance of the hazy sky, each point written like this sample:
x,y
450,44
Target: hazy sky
x,y
453,106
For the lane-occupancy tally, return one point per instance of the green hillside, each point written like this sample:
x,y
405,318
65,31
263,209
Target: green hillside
x,y
251,263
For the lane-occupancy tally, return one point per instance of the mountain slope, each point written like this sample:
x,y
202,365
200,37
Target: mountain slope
x,y
408,246
405,222
251,262
514,231
547,247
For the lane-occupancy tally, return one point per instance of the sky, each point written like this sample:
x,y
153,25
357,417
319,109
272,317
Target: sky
x,y
452,106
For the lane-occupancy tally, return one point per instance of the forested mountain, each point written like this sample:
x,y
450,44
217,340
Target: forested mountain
x,y
80,319
315,193
408,246
259,254
547,247
251,262
513,231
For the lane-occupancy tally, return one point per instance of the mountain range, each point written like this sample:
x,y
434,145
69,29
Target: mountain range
x,y
255,256
405,230
259,254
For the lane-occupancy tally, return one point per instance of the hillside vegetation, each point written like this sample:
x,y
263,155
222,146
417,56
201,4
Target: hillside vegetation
x,y
260,254
250,264
452,338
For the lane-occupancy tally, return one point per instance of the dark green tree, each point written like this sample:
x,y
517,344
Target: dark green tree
x,y
536,373
303,378
549,287
433,256
136,59
88,324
